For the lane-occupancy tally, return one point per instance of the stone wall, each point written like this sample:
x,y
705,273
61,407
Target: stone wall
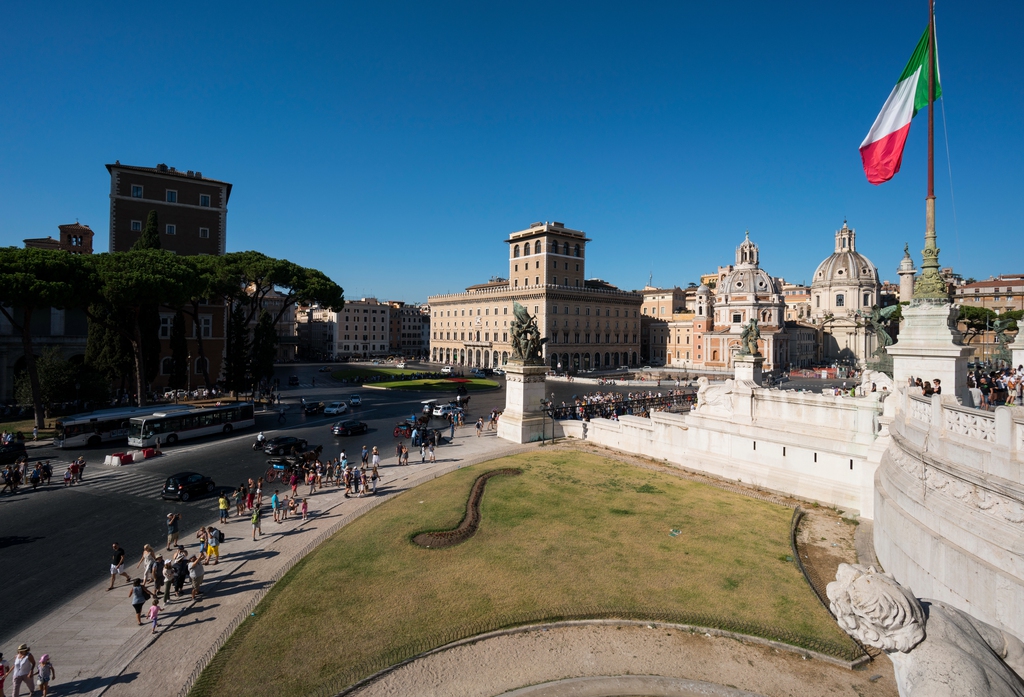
x,y
814,447
949,506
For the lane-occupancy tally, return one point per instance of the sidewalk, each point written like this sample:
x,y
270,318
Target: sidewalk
x,y
98,651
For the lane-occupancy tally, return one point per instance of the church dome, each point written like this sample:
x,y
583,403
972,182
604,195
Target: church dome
x,y
845,266
746,276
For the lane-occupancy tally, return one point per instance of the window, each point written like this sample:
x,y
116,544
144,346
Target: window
x,y
576,251
840,300
204,200
536,247
136,226
204,232
167,366
172,196
537,282
867,299
515,252
206,324
171,230
737,317
136,191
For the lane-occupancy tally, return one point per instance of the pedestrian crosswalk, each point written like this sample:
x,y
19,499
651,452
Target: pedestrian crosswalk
x,y
132,482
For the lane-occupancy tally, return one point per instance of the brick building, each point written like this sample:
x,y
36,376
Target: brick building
x,y
192,210
192,215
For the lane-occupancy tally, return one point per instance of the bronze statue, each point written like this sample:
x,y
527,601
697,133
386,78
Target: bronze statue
x,y
748,339
877,320
526,339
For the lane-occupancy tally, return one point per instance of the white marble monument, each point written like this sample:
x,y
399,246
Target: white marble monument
x,y
524,415
930,346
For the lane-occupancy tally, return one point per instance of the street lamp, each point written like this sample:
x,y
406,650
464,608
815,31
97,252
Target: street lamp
x,y
188,374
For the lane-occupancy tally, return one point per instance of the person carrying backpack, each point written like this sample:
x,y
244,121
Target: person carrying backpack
x,y
256,517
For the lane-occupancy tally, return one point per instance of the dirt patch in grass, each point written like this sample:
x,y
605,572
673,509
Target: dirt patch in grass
x,y
441,539
575,533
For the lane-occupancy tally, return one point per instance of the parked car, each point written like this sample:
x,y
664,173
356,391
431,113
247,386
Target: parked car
x,y
355,401
446,370
499,371
445,410
283,445
334,408
11,452
348,428
293,380
186,485
400,364
312,408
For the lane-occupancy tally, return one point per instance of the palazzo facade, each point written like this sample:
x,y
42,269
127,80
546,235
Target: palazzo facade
x,y
589,324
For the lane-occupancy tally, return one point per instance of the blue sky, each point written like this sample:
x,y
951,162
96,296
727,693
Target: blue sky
x,y
395,145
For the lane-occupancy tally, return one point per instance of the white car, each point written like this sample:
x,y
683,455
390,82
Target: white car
x,y
355,400
446,409
335,408
400,365
446,370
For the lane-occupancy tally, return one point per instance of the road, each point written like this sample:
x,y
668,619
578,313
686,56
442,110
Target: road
x,y
55,542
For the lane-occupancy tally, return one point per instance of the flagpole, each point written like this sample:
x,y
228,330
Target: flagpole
x,y
930,285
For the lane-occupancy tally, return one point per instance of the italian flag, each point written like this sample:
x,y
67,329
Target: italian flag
x,y
882,150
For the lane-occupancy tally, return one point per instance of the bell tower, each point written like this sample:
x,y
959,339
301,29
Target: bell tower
x,y
547,254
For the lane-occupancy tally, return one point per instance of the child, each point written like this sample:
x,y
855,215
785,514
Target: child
x,y
305,509
46,673
154,612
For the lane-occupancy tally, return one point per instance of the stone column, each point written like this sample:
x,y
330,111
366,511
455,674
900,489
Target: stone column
x,y
523,418
930,346
1017,348
748,368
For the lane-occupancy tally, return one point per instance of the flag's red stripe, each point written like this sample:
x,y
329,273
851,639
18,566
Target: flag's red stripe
x,y
882,158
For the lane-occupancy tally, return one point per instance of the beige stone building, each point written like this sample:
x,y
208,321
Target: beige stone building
x,y
658,309
589,324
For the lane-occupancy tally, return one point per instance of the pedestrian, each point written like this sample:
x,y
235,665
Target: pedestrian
x,y
375,476
35,433
280,414
24,667
139,595
68,477
305,509
117,566
398,446
365,456
213,546
223,504
479,426
240,500
81,469
364,483
154,612
250,494
423,452
158,574
430,452
180,570
173,521
375,459
195,574
148,560
169,574
451,435
5,668
256,516
292,507
275,504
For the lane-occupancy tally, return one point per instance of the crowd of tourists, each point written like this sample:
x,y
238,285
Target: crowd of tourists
x,y
993,388
611,405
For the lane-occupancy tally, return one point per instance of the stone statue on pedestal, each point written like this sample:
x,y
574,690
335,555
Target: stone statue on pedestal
x,y
748,339
936,650
526,338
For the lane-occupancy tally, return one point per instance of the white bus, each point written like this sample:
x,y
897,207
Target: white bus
x,y
101,426
171,426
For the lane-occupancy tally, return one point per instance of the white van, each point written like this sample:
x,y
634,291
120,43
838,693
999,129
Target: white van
x,y
446,370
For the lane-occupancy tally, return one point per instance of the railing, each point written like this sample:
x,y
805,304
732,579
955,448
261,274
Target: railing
x,y
972,423
638,406
920,408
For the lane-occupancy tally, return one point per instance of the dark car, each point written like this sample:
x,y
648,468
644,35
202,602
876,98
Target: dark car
x,y
348,428
282,445
11,452
293,380
312,408
185,485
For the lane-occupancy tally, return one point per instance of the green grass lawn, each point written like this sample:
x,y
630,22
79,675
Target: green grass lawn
x,y
574,533
439,385
357,372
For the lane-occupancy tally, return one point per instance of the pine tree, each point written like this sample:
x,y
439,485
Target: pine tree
x,y
236,356
150,237
179,353
264,349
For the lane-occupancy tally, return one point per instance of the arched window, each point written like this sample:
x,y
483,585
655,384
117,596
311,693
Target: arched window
x,y
504,357
526,249
714,355
565,248
201,364
167,366
576,251
554,247
536,247
515,251
840,300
